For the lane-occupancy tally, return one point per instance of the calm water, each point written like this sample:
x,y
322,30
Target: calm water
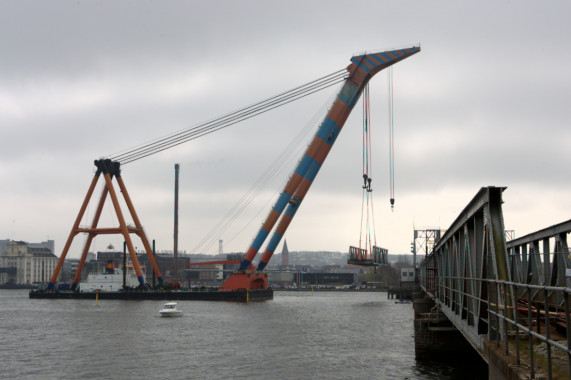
x,y
298,335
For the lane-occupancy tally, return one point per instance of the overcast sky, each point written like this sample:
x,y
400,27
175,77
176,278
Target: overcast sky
x,y
486,102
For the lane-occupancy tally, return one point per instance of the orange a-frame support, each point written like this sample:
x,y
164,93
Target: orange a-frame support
x,y
109,169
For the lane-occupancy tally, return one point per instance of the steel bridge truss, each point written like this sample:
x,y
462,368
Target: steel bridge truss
x,y
424,241
472,248
490,289
533,261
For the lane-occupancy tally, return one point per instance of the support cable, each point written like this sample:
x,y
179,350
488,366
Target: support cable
x,y
261,183
373,218
365,161
370,150
366,236
230,119
391,137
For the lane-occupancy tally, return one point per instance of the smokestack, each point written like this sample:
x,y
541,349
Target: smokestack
x,y
175,248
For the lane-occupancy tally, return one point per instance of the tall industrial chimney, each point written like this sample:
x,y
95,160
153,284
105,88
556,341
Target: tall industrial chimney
x,y
175,248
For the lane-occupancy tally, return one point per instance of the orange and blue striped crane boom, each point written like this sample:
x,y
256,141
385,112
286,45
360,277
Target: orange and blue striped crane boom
x,y
361,70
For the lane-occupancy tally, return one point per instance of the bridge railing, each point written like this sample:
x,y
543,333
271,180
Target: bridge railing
x,y
483,285
528,320
473,247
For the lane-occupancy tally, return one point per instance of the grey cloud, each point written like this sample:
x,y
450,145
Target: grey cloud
x,y
484,103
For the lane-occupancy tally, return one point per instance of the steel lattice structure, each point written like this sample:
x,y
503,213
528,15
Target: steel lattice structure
x,y
489,289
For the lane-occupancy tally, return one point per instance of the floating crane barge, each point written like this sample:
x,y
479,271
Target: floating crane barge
x,y
247,283
242,295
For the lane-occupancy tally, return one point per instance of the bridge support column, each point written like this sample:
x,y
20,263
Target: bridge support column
x,y
434,334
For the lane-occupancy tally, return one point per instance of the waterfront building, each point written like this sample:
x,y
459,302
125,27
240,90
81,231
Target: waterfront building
x,y
3,245
49,244
304,278
407,275
70,266
282,278
23,264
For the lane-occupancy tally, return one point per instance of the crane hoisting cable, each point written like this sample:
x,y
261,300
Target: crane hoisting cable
x,y
361,70
367,203
391,137
367,253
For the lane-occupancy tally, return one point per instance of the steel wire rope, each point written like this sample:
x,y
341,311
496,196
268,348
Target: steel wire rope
x,y
391,137
270,171
367,218
260,184
365,174
362,215
366,202
368,229
370,172
265,204
220,122
236,210
166,137
312,122
238,207
213,128
370,150
373,218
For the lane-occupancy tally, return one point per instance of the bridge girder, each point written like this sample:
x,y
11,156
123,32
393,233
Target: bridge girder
x,y
472,250
477,278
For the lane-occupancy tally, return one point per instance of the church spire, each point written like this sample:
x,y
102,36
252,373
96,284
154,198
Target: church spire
x,y
285,254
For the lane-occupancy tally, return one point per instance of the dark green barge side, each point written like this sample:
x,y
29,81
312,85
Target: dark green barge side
x,y
258,295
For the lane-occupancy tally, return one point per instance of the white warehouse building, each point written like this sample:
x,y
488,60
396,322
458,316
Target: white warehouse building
x,y
24,263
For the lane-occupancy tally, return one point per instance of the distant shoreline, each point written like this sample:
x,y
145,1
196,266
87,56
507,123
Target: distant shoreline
x,y
309,289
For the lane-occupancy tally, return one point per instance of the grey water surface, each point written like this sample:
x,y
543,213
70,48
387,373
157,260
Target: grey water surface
x,y
298,335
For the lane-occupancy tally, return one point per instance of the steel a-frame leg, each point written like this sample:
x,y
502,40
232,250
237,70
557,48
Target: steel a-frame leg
x,y
109,169
79,269
74,229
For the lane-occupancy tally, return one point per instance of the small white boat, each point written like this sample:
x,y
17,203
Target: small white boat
x,y
170,310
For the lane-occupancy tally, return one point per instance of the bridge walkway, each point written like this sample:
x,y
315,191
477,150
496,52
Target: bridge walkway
x,y
509,300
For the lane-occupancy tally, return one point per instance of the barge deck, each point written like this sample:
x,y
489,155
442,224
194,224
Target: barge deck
x,y
258,295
